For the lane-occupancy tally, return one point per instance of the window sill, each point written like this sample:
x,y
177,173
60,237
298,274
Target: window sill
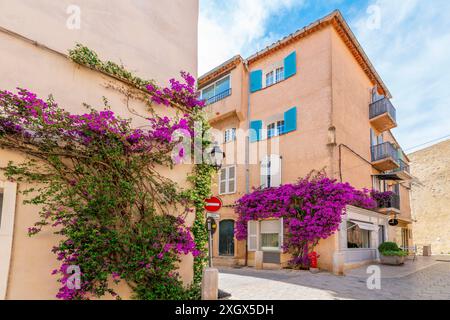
x,y
227,194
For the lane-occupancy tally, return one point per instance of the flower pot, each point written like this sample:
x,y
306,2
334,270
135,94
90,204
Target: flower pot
x,y
392,260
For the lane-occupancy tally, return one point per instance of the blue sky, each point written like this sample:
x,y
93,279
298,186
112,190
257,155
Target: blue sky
x,y
408,41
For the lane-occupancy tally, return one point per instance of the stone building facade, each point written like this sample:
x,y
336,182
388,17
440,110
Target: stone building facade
x,y
430,198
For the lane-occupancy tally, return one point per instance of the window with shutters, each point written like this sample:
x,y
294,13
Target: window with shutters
x,y
279,74
274,76
230,135
275,129
269,78
227,180
270,235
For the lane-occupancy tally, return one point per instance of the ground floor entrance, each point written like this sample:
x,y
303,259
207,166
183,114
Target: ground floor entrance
x,y
226,238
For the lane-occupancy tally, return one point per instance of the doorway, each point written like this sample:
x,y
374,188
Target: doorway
x,y
226,238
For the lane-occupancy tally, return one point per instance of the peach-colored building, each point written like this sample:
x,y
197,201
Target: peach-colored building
x,y
154,39
312,100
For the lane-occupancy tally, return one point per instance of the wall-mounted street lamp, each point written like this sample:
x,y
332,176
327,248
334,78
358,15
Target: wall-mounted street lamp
x,y
217,157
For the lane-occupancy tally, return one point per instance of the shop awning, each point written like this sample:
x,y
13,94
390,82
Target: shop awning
x,y
365,226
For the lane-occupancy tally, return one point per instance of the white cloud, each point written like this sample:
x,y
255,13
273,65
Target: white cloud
x,y
235,27
411,51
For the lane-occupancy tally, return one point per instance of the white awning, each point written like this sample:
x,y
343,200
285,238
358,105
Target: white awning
x,y
365,226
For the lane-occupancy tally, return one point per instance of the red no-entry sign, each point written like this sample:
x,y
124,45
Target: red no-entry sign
x,y
213,204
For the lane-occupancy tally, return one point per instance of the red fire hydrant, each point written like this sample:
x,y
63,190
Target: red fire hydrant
x,y
313,259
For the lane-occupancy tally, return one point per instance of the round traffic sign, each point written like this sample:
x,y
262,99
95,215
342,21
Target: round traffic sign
x,y
213,204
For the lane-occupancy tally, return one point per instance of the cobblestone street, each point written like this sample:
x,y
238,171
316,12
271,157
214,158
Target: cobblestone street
x,y
428,282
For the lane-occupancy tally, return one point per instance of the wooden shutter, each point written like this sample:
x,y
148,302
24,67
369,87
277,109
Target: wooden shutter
x,y
255,80
255,130
252,236
231,180
290,120
290,65
223,181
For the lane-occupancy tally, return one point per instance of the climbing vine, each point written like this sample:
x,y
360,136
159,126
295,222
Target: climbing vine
x,y
97,181
201,180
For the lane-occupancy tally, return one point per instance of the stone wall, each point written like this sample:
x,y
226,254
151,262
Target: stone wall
x,y
430,198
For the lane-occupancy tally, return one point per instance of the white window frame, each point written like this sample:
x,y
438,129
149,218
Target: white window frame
x,y
276,131
215,84
257,236
281,78
280,236
273,73
227,180
272,77
231,133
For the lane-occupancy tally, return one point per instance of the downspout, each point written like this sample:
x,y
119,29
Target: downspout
x,y
247,153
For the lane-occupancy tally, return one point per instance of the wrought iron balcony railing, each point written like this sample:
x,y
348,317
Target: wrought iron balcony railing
x,y
380,107
218,97
403,166
383,151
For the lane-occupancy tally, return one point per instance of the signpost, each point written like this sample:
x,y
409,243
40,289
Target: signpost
x,y
212,205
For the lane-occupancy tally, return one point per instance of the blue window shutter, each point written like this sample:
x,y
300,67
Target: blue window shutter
x,y
255,130
290,120
255,80
290,65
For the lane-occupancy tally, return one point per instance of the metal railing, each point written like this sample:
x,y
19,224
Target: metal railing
x,y
403,166
383,151
382,106
392,202
218,97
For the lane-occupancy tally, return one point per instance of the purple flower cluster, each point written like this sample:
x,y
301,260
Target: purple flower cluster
x,y
180,93
23,113
382,198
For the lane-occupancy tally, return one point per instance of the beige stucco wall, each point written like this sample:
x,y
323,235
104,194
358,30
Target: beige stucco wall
x,y
143,36
350,116
153,38
430,197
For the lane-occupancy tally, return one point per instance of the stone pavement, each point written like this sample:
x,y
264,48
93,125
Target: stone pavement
x,y
429,281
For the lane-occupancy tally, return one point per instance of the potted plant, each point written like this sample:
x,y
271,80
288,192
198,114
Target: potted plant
x,y
391,254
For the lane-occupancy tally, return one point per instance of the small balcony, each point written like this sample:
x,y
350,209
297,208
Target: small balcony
x,y
382,115
218,97
389,206
385,157
402,173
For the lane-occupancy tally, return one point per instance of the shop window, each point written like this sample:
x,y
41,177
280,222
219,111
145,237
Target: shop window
x,y
357,237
